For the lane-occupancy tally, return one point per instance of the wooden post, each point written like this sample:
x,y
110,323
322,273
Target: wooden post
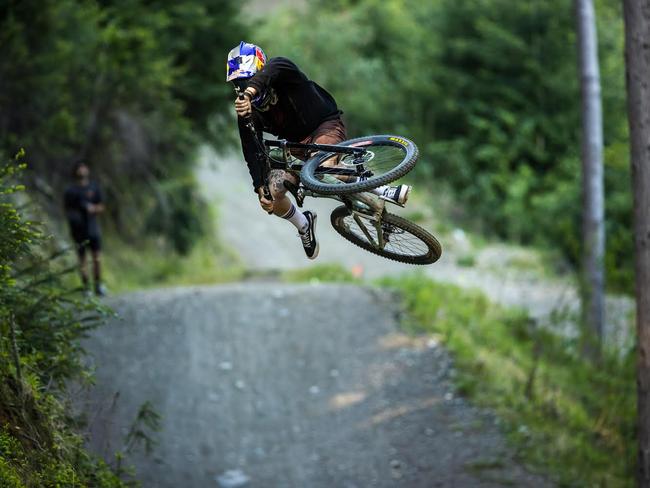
x,y
637,58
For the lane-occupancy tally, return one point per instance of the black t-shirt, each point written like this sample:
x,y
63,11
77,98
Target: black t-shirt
x,y
76,200
297,107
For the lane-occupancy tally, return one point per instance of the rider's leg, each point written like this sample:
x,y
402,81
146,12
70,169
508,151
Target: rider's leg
x,y
282,205
284,208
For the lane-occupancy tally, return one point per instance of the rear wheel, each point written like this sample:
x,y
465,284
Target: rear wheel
x,y
394,238
385,159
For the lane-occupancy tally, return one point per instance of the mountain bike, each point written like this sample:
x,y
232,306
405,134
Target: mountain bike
x,y
345,172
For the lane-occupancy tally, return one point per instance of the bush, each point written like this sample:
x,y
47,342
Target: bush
x,y
41,324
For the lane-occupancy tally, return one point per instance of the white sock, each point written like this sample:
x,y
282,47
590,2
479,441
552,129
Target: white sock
x,y
297,218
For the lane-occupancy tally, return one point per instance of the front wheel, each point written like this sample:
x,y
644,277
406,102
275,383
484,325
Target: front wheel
x,y
385,159
393,237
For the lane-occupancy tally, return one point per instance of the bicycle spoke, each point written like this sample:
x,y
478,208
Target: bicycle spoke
x,y
396,241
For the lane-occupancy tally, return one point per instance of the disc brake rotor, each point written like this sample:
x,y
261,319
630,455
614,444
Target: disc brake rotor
x,y
351,160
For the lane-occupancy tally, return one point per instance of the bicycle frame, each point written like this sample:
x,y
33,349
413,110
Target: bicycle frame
x,y
281,143
357,163
362,205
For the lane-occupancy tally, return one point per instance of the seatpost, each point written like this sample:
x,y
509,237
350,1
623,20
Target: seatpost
x,y
251,127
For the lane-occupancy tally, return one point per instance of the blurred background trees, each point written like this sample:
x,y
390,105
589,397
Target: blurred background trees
x,y
489,90
130,86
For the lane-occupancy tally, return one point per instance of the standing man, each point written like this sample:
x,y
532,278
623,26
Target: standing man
x,y
83,201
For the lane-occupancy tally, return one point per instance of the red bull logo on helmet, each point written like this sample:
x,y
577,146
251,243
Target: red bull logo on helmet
x,y
244,61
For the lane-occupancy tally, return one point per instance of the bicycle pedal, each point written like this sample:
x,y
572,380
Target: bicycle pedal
x,y
390,200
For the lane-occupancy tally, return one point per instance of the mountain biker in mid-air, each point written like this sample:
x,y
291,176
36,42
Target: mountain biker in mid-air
x,y
280,99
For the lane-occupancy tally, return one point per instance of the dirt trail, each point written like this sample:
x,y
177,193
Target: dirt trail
x,y
305,386
266,243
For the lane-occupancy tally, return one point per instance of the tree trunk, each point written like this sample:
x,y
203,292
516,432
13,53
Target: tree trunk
x,y
637,57
15,352
593,207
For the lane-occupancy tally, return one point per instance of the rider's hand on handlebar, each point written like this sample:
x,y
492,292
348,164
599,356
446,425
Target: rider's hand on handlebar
x,y
243,105
267,205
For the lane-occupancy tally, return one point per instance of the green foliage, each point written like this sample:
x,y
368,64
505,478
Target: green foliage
x,y
24,466
321,273
147,421
151,263
130,86
564,414
466,260
488,89
179,213
41,325
327,58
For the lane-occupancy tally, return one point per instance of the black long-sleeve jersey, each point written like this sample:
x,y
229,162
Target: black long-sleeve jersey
x,y
296,108
76,200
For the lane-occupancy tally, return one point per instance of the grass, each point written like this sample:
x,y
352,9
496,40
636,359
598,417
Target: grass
x,y
152,264
466,260
321,273
565,415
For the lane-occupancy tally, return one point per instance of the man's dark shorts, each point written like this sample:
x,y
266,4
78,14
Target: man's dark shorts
x,y
84,241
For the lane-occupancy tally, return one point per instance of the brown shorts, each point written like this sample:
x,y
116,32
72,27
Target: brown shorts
x,y
329,132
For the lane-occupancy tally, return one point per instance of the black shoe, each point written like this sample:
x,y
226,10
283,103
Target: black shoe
x,y
100,290
308,238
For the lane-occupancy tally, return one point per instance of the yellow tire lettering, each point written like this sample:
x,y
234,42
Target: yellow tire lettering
x,y
399,141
